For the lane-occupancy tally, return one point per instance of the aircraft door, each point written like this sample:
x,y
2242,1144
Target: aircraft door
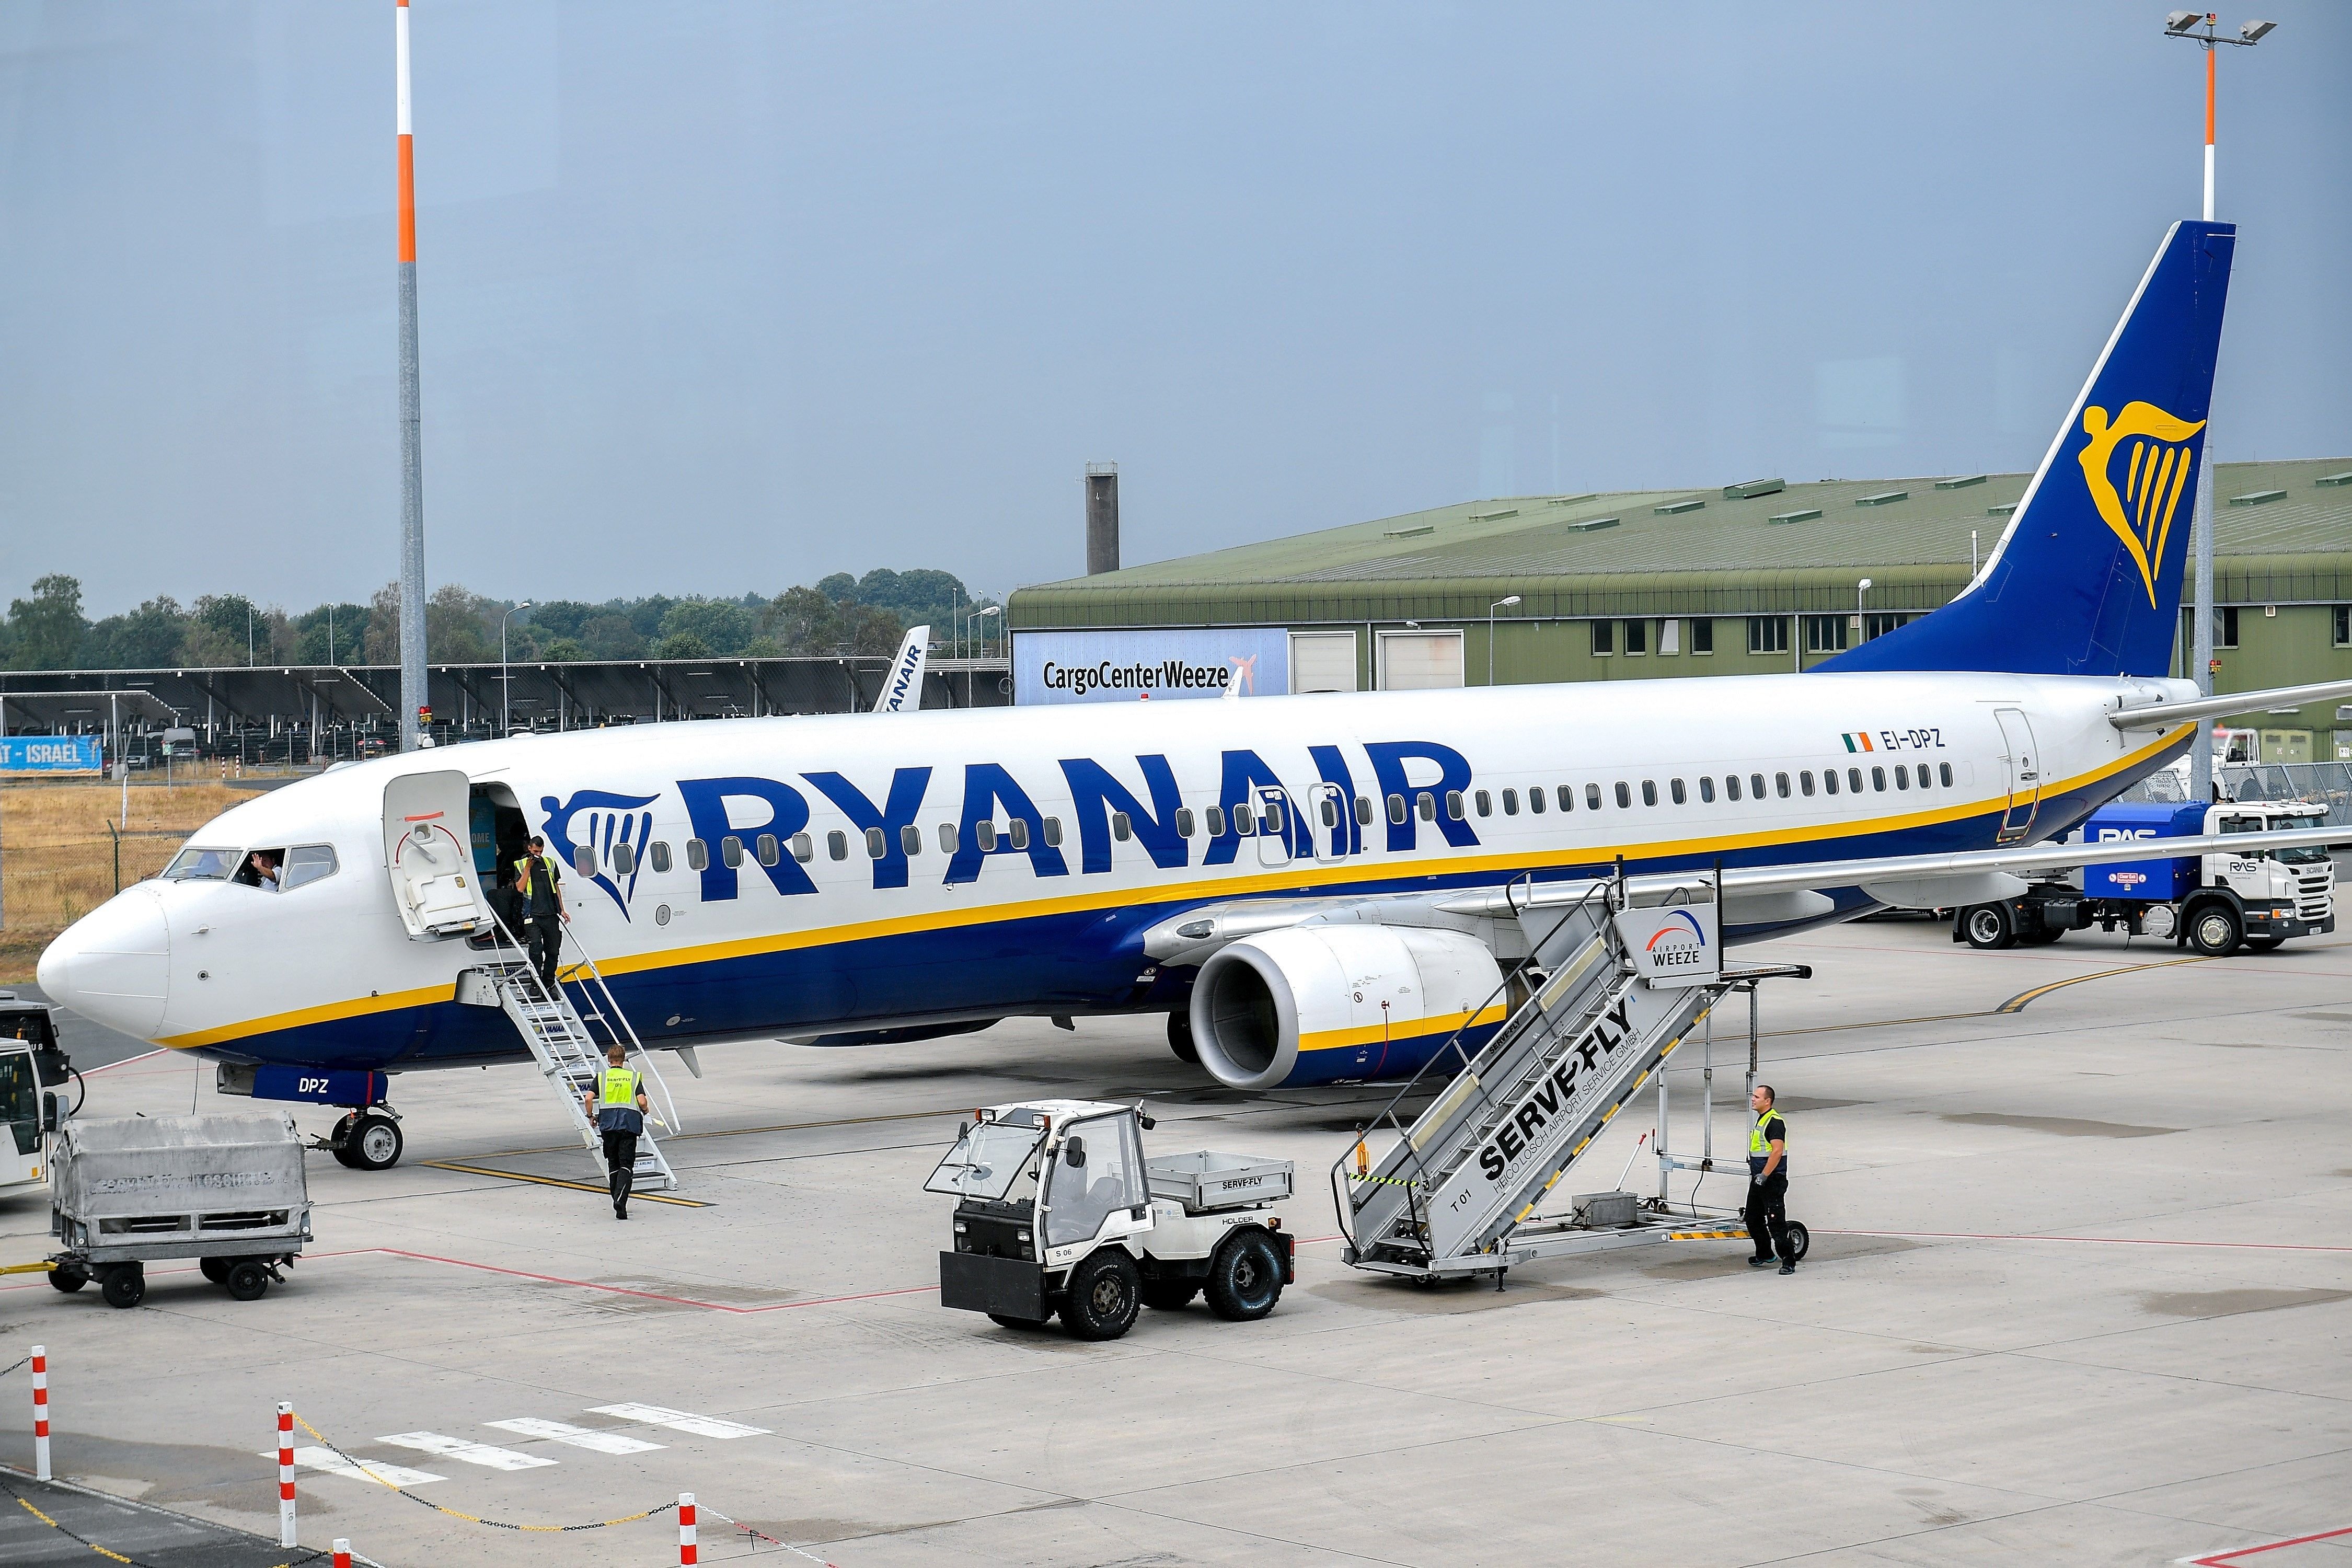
x,y
2022,758
427,851
1274,826
1327,830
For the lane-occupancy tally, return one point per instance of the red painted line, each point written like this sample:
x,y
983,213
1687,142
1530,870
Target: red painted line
x,y
2224,1559
2093,1240
126,1061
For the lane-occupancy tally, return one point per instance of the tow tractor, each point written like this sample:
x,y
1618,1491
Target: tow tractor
x,y
1058,1211
30,1064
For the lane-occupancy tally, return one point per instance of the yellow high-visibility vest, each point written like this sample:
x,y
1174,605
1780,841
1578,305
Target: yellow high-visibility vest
x,y
1758,1145
524,869
619,1087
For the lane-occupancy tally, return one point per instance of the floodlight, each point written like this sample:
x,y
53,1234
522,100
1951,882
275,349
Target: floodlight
x,y
1864,583
2253,32
2181,21
1512,600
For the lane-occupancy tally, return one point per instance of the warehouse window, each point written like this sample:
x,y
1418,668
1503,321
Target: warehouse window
x,y
1879,624
1637,637
1731,787
1767,634
1625,795
1605,638
2225,627
1825,633
1707,791
2343,626
1702,636
1805,782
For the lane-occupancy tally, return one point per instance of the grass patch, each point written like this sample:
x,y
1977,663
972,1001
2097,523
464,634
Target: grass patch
x,y
58,859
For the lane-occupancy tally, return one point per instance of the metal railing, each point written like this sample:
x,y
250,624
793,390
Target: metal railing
x,y
607,1014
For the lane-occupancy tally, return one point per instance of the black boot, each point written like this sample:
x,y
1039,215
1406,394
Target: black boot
x,y
624,1180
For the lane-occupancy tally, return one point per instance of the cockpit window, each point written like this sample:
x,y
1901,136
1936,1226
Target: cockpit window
x,y
307,863
193,865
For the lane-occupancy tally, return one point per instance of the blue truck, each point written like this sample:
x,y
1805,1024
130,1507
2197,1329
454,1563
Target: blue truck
x,y
2213,903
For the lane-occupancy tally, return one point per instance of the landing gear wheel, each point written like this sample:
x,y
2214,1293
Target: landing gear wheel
x,y
69,1277
1988,927
1103,1295
1245,1278
1800,1240
1001,1321
2264,943
1180,1037
374,1144
2215,930
1169,1294
247,1280
215,1268
124,1285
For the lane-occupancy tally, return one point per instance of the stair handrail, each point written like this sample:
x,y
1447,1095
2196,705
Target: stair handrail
x,y
611,1011
524,976
1342,1201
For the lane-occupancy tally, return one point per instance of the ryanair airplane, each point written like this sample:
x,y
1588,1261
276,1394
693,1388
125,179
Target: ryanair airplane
x,y
1313,888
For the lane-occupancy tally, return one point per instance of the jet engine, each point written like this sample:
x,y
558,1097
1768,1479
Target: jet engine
x,y
1328,1004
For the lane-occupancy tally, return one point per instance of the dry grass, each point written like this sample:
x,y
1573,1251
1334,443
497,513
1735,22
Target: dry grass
x,y
57,859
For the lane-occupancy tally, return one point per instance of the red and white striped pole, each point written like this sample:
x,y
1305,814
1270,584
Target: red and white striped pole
x,y
285,1475
686,1557
41,1412
343,1554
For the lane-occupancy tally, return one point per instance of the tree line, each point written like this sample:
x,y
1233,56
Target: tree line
x,y
840,614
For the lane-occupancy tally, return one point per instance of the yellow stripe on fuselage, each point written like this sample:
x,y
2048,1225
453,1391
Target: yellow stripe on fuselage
x,y
1411,1029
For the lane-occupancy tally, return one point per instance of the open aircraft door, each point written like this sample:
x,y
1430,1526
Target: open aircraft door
x,y
2023,760
427,851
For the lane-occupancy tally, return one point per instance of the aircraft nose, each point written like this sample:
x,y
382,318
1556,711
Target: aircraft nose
x,y
113,965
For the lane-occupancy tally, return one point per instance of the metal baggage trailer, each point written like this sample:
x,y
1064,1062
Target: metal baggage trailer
x,y
229,1191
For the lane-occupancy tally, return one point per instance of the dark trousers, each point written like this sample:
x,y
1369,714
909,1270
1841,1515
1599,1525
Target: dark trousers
x,y
621,1163
545,935
1768,1217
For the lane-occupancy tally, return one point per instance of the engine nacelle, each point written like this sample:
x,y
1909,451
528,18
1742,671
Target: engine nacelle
x,y
1329,1004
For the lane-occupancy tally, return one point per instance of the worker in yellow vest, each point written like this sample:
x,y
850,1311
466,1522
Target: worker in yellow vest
x,y
619,1105
539,894
1768,1183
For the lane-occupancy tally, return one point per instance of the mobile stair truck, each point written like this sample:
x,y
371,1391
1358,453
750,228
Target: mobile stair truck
x,y
2209,902
1611,989
1119,1232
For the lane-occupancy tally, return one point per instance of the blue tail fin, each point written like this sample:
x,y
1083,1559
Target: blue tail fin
x,y
2087,579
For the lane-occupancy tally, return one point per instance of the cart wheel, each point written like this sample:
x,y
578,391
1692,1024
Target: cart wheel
x,y
1800,1240
69,1277
124,1285
247,1280
1101,1300
1169,1294
374,1144
1001,1321
1245,1276
215,1269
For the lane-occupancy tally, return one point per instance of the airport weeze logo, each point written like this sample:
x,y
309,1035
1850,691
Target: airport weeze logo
x,y
2147,451
1678,944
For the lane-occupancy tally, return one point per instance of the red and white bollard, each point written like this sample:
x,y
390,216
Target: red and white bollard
x,y
41,1412
686,1557
343,1554
285,1475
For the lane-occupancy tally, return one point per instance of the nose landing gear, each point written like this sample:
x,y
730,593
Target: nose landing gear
x,y
367,1140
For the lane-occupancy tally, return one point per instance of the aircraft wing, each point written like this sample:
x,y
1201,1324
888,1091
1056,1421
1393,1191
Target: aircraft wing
x,y
902,690
2160,715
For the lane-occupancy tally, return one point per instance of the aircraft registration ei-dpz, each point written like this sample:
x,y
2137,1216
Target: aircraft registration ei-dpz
x,y
1314,888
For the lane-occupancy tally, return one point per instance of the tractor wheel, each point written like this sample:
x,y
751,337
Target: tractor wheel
x,y
1245,1276
1103,1295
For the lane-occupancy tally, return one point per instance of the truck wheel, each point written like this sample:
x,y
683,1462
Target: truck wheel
x,y
1180,1037
1988,927
2265,943
1169,1294
374,1144
1102,1298
1244,1278
124,1285
214,1269
2214,930
247,1280
69,1277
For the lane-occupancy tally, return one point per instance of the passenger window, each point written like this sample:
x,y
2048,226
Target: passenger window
x,y
983,836
1943,774
1731,787
1625,795
1454,803
947,838
1184,821
1511,802
1396,808
661,855
1330,811
1675,788
624,860
1782,780
1054,831
910,839
1901,776
837,844
1427,806
1568,797
803,848
1485,804
1707,791
1923,780
1536,800
1854,780
766,850
1805,782
1756,786
1215,817
1017,830
1122,826
1245,822
1649,791
306,864
698,855
584,860
1878,779
876,844
1273,818
731,851
1592,797
1363,811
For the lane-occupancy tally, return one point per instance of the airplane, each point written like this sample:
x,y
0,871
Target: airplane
x,y
902,690
1314,888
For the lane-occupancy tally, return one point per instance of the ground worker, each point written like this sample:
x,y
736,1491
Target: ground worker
x,y
1768,1183
619,1105
539,889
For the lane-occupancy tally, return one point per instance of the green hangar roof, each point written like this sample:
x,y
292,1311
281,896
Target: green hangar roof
x,y
1764,547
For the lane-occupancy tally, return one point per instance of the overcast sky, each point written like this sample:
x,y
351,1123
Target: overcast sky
x,y
718,297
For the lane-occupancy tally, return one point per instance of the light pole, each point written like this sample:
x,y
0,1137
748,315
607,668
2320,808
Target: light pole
x,y
249,633
1490,634
979,631
506,680
2184,25
1860,589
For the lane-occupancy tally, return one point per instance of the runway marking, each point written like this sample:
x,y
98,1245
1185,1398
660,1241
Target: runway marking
x,y
2018,1003
2224,1559
558,1182
576,1436
466,1452
679,1420
389,1475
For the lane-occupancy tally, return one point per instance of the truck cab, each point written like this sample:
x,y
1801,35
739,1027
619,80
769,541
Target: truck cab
x,y
30,1063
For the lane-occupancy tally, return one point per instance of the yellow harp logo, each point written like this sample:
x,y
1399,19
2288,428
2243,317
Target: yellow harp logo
x,y
2151,448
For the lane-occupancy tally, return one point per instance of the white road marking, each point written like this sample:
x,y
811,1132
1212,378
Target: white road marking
x,y
376,1471
679,1420
576,1436
468,1453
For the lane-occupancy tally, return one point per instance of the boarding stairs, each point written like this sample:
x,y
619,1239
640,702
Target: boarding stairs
x,y
1463,1188
571,1053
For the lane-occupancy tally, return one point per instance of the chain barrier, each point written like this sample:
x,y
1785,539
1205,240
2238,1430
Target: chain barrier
x,y
5,1371
25,1503
762,1535
369,1471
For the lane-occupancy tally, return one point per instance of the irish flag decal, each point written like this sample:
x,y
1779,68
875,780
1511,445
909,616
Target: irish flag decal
x,y
1859,740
